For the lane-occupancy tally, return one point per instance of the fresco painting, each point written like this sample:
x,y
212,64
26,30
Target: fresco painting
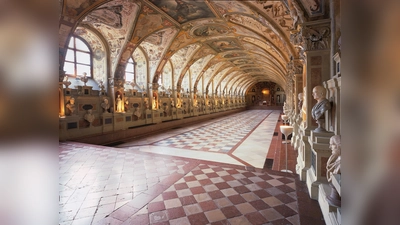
x,y
184,10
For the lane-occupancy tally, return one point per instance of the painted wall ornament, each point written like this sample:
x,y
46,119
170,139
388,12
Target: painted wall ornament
x,y
225,45
109,15
209,30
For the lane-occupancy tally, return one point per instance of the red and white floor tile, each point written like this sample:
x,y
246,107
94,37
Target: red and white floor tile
x,y
141,182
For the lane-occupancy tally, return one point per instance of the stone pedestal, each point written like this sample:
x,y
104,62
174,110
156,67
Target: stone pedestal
x,y
174,114
119,121
156,116
148,116
332,215
304,153
179,114
107,122
320,154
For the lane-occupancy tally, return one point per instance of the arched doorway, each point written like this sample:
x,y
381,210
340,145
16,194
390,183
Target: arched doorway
x,y
266,97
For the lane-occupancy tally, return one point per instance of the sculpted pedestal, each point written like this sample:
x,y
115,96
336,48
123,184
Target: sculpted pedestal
x,y
148,116
304,153
156,116
179,113
320,154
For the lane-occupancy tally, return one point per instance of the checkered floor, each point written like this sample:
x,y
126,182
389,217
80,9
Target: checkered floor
x,y
221,136
96,180
217,195
141,185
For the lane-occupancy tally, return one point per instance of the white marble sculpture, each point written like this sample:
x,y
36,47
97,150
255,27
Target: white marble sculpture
x,y
320,107
89,116
333,164
105,105
332,168
71,107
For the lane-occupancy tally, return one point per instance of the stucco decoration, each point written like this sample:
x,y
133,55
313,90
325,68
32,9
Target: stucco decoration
x,y
155,46
278,11
149,21
73,8
210,30
108,15
210,71
242,61
225,7
217,78
235,54
314,7
316,38
225,45
243,31
262,27
184,10
261,52
198,66
141,68
167,76
205,51
267,46
181,57
114,20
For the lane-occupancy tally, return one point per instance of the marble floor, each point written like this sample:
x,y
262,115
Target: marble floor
x,y
208,173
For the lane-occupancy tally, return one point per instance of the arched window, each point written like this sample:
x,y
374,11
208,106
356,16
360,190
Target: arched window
x,y
130,71
78,59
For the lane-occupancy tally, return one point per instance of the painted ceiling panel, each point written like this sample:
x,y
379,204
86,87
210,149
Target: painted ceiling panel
x,y
181,58
155,46
114,20
184,10
207,36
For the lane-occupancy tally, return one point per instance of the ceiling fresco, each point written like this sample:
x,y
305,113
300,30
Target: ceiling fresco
x,y
231,43
114,20
184,10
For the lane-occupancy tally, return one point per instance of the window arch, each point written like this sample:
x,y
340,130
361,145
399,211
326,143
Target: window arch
x,y
78,59
130,71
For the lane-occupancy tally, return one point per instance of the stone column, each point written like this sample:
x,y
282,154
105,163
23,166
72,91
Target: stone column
x,y
314,40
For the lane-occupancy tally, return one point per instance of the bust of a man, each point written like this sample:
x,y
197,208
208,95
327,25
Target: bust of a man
x,y
333,164
71,106
320,107
89,116
105,105
333,167
300,104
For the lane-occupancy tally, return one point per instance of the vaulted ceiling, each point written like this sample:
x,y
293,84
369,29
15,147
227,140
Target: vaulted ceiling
x,y
230,42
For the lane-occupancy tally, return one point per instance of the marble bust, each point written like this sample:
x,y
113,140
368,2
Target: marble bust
x,y
320,107
333,164
333,167
105,105
89,116
300,104
71,106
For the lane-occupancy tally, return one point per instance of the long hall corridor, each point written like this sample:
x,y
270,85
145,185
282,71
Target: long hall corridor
x,y
223,171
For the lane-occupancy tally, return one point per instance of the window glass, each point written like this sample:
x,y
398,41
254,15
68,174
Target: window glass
x,y
83,58
70,56
80,45
78,58
69,68
81,69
